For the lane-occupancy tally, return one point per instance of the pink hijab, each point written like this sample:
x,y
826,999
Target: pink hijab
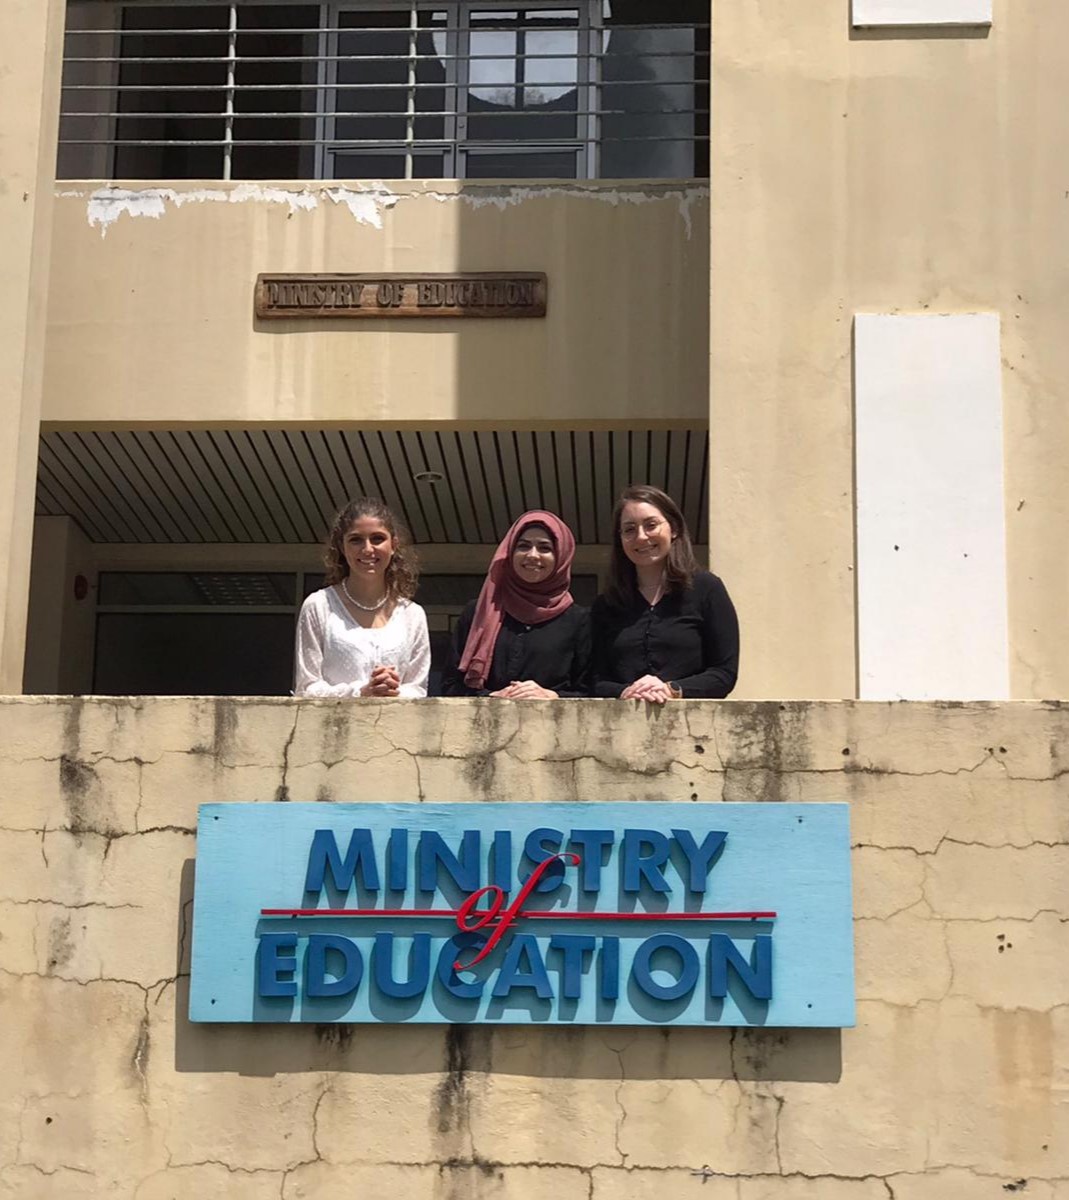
x,y
504,592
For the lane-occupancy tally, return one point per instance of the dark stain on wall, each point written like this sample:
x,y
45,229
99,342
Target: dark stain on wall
x,y
76,779
451,1099
335,1037
773,739
225,720
60,943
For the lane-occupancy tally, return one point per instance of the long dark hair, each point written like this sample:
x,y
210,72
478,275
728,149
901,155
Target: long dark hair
x,y
402,574
681,565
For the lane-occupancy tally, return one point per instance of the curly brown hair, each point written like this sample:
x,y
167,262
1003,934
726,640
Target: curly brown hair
x,y
681,564
402,574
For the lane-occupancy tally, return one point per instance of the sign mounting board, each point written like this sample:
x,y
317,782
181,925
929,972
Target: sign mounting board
x,y
616,914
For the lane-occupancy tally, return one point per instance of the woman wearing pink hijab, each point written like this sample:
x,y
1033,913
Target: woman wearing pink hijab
x,y
525,638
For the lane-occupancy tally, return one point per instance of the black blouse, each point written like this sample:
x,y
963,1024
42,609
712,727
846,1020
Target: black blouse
x,y
555,654
689,638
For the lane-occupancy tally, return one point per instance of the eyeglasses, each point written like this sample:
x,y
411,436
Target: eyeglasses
x,y
649,528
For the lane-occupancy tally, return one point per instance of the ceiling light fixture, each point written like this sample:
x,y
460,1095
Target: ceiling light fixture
x,y
428,477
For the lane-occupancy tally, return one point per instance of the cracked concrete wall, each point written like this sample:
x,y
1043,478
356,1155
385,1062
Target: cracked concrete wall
x,y
953,1086
150,313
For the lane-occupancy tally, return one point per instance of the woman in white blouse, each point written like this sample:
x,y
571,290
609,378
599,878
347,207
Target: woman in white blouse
x,y
362,635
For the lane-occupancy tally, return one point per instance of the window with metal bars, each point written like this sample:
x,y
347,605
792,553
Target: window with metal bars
x,y
388,89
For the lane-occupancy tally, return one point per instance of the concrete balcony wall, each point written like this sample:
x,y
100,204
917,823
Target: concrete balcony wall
x,y
951,1086
150,316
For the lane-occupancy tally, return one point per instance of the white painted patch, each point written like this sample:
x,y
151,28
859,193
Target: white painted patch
x,y
922,12
106,205
257,194
931,552
366,202
366,205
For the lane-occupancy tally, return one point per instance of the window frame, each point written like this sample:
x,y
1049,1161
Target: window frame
x,y
455,144
455,147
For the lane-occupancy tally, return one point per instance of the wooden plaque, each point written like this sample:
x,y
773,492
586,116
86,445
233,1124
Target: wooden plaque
x,y
464,294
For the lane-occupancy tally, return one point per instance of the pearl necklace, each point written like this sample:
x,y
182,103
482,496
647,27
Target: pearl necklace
x,y
364,607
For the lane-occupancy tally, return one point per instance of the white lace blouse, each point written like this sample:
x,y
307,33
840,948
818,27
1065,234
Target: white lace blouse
x,y
335,655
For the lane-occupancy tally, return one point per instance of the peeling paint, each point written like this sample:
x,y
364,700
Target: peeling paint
x,y
366,207
508,197
367,203
106,205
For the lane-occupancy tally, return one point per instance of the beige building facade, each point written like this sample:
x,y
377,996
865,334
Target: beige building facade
x,y
805,272
700,333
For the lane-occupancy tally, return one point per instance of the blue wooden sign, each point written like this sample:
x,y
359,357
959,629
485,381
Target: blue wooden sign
x,y
613,914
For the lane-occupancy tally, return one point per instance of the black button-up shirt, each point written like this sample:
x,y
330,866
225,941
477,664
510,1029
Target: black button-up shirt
x,y
689,638
555,654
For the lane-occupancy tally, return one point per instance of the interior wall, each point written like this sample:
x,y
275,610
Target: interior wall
x,y
44,625
60,626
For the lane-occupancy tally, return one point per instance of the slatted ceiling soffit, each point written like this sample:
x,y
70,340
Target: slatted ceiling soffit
x,y
284,486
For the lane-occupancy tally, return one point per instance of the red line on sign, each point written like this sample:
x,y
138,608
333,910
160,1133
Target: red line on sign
x,y
527,914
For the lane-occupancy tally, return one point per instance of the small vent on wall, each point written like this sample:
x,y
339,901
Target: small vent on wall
x,y
868,13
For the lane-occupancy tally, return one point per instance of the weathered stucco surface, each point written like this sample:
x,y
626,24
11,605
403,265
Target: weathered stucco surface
x,y
886,171
953,1086
144,272
29,117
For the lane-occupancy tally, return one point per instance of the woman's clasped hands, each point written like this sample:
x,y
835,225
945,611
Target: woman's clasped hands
x,y
650,688
525,689
384,681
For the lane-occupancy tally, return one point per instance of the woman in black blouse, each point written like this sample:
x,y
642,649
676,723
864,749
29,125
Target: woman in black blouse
x,y
525,638
664,629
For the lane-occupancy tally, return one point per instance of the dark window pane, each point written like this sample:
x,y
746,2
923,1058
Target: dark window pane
x,y
441,644
454,591
165,116
432,73
448,591
193,654
188,589
373,56
534,123
655,81
245,588
146,588
276,114
540,164
428,166
383,51
354,165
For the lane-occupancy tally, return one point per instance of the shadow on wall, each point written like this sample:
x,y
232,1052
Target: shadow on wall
x,y
625,337
459,1051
